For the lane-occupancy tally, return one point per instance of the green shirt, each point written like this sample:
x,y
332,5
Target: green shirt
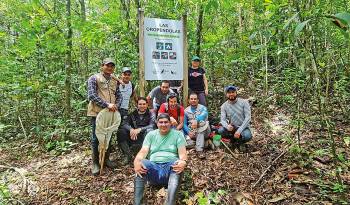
x,y
164,148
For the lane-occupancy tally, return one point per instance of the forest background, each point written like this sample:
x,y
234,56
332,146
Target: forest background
x,y
287,55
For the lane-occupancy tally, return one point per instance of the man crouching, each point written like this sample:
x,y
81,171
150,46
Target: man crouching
x,y
166,149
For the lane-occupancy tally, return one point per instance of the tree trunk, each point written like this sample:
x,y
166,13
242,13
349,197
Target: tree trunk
x,y
199,30
84,50
68,63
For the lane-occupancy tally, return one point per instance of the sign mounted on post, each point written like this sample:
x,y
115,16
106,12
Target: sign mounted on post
x,y
163,49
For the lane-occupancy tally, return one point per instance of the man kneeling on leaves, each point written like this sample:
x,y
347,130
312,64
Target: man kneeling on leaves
x,y
166,149
134,129
196,124
235,119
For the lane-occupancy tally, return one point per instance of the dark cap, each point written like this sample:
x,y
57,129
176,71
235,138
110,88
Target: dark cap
x,y
108,60
126,69
196,58
231,87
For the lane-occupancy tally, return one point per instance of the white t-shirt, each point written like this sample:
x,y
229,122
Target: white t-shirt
x,y
126,91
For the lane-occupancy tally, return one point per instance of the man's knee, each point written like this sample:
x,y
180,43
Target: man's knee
x,y
122,135
246,135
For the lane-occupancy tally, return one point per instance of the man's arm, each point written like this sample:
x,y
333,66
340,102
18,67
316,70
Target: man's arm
x,y
182,162
150,97
181,119
247,117
92,93
139,170
223,117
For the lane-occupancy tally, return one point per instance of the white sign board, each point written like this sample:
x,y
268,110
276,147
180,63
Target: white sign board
x,y
163,40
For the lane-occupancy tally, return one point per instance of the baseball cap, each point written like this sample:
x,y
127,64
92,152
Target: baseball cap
x,y
231,87
126,69
196,58
108,60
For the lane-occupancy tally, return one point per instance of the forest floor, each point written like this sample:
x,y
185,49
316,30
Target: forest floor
x,y
274,171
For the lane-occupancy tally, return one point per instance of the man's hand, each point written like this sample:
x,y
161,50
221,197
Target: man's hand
x,y
112,107
230,127
191,134
194,124
179,166
134,133
173,121
237,135
139,169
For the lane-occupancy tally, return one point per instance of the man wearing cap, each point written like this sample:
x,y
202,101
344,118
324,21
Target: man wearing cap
x,y
103,92
158,95
127,90
235,119
197,81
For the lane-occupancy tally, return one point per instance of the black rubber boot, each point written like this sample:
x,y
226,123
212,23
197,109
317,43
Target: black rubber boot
x,y
124,146
108,162
95,164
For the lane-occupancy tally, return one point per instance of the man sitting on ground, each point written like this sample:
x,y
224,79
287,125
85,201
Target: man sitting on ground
x,y
175,110
158,95
136,126
235,118
196,124
166,149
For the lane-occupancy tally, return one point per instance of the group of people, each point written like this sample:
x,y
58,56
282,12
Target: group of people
x,y
160,128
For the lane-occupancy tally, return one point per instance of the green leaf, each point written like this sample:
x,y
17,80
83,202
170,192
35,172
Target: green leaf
x,y
289,21
347,141
300,27
344,18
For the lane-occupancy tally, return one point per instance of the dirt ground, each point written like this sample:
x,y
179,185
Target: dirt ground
x,y
270,173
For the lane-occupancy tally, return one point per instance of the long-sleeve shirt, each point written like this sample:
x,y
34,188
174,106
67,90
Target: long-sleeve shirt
x,y
93,96
201,117
136,120
237,113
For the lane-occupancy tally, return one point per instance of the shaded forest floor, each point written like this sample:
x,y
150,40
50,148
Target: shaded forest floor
x,y
298,176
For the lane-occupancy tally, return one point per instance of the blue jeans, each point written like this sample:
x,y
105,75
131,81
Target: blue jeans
x,y
246,135
160,174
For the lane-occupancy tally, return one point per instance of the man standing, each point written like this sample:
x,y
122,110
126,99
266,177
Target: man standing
x,y
103,92
175,111
136,126
158,95
196,124
235,119
127,90
166,149
197,81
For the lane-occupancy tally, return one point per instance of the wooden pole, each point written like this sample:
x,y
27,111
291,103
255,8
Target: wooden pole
x,y
141,53
185,61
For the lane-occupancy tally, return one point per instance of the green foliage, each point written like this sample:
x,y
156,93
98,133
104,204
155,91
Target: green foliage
x,y
300,27
4,192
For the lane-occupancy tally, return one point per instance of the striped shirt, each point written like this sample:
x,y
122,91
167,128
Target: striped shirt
x,y
93,96
237,113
